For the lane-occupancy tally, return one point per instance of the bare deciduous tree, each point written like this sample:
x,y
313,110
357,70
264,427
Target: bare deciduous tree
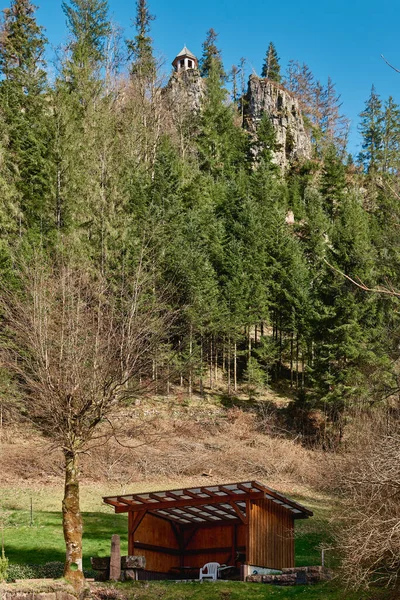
x,y
369,539
78,346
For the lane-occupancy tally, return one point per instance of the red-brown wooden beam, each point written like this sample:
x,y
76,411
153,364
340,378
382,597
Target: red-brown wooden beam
x,y
239,513
182,503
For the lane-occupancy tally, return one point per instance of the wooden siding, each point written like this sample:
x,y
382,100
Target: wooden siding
x,y
270,535
154,531
209,544
266,541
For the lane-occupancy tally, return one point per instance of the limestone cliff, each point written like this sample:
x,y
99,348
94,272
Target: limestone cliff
x,y
267,97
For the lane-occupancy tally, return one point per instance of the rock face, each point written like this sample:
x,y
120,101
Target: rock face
x,y
267,97
185,91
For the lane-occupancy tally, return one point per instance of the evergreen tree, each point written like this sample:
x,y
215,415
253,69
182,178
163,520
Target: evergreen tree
x,y
221,141
333,181
265,143
211,58
140,48
371,128
271,68
391,137
25,111
89,27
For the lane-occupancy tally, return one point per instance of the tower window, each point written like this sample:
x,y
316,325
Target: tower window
x,y
190,64
182,63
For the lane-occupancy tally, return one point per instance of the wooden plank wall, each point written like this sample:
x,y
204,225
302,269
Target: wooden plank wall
x,y
154,531
214,544
271,535
200,545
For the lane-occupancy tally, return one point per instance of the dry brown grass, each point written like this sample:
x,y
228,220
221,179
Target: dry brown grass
x,y
170,441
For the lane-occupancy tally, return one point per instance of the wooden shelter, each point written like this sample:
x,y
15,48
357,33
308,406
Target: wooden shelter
x,y
246,525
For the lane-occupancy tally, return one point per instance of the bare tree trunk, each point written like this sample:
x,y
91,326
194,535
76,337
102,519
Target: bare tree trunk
x,y
190,387
216,362
235,367
211,362
229,366
201,384
291,359
72,522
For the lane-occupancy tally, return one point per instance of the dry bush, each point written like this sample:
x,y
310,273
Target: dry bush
x,y
369,483
226,445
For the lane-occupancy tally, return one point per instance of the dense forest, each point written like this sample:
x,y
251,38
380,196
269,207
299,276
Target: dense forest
x,y
171,229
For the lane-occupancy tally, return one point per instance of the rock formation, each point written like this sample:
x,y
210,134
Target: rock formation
x,y
268,97
185,91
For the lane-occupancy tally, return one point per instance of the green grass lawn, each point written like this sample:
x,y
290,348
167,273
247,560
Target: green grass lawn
x,y
241,591
42,542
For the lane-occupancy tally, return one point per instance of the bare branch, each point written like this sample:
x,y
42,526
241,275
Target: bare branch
x,y
389,65
363,286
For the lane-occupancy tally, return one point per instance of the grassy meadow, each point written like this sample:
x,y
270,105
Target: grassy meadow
x,y
38,539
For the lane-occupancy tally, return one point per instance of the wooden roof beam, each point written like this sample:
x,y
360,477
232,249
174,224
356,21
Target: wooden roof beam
x,y
183,502
242,517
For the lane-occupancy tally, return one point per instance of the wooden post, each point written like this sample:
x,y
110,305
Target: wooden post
x,y
131,550
115,561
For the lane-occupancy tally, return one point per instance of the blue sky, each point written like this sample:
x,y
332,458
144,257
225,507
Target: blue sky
x,y
341,39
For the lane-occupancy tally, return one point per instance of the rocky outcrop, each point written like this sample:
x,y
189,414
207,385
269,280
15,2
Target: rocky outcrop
x,y
185,91
267,97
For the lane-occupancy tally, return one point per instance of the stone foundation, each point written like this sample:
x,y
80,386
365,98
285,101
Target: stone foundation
x,y
294,576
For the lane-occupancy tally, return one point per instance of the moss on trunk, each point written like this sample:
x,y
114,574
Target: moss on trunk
x,y
72,522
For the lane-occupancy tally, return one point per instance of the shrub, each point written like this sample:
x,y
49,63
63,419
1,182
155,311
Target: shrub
x,y
50,570
20,572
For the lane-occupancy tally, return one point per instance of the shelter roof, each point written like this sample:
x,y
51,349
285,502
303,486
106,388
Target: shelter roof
x,y
204,505
185,52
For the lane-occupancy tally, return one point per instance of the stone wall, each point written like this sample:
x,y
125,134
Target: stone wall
x,y
294,576
267,97
36,590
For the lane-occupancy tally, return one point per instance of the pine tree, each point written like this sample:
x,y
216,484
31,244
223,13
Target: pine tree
x,y
221,142
333,181
371,128
25,110
265,143
89,27
211,58
391,137
140,48
271,68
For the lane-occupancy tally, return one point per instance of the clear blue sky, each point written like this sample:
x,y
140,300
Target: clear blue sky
x,y
340,38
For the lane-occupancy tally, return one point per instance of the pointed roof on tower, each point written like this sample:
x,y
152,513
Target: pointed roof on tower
x,y
186,52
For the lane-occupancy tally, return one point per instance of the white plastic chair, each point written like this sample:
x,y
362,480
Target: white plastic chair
x,y
209,571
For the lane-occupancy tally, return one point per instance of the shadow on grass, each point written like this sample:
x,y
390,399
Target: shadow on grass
x,y
44,541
